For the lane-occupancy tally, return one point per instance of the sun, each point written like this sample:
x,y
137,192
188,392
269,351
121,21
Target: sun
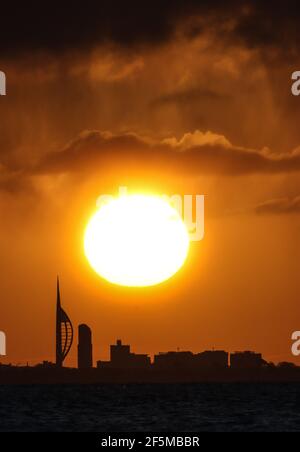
x,y
136,241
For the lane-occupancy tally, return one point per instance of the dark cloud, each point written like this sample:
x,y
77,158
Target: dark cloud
x,y
195,154
57,27
271,26
280,206
49,27
189,96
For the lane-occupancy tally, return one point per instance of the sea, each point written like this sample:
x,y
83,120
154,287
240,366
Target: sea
x,y
151,408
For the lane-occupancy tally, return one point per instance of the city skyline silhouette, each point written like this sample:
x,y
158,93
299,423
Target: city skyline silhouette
x,y
178,365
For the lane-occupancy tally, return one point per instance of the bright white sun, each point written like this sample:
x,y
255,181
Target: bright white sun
x,y
136,241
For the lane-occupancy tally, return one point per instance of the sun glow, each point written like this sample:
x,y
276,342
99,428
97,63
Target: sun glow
x,y
136,241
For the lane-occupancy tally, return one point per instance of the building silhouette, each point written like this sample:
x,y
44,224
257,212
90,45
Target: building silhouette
x,y
64,331
189,361
246,360
213,359
122,358
174,361
85,347
119,354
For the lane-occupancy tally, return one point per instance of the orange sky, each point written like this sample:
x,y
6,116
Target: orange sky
x,y
191,114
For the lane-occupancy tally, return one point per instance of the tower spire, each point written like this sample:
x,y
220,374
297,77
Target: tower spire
x,y
64,330
58,303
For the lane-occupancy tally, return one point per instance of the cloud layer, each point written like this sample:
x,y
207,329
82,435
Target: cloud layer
x,y
195,154
280,206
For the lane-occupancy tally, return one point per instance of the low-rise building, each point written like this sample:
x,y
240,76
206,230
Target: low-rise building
x,y
246,360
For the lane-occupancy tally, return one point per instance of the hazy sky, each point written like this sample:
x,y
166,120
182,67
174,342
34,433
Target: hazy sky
x,y
187,97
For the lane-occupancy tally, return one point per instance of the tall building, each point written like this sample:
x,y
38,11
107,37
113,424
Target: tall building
x,y
64,331
85,347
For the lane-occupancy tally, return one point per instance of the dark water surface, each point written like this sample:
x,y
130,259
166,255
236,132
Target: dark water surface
x,y
151,408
